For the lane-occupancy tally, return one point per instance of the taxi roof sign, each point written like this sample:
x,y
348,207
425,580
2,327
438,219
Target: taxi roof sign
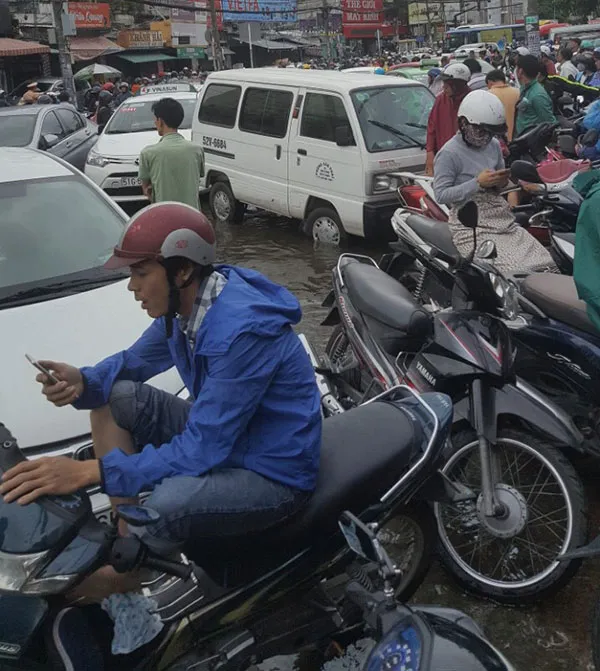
x,y
173,87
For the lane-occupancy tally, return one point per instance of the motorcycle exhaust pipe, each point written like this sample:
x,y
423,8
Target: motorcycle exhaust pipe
x,y
329,403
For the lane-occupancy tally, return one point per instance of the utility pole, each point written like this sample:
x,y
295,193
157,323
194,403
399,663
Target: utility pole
x,y
532,26
64,55
216,39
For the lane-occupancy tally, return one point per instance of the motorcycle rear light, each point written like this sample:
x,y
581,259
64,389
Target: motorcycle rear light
x,y
412,194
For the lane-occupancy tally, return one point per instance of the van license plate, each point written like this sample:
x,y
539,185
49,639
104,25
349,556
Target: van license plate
x,y
130,181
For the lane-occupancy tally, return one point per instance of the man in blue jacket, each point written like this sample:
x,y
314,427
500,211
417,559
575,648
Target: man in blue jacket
x,y
243,454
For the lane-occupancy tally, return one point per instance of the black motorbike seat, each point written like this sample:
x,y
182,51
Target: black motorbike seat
x,y
380,296
557,296
363,454
434,233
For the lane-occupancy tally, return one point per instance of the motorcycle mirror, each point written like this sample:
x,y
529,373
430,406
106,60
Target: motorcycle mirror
x,y
137,516
468,215
363,542
525,171
487,250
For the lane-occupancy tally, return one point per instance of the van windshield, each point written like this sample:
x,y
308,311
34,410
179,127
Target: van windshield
x,y
393,117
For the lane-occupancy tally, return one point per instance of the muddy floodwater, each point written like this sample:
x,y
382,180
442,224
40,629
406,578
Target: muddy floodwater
x,y
553,636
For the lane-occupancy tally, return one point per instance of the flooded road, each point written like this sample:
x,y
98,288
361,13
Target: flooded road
x,y
551,637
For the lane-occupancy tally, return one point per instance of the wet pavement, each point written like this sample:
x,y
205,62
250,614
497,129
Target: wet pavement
x,y
553,636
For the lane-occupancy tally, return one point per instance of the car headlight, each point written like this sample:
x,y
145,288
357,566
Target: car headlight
x,y
384,183
97,159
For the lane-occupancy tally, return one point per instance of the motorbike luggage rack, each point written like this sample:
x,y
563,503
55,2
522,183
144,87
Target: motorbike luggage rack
x,y
363,258
405,391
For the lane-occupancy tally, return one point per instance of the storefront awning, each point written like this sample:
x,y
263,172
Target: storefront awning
x,y
10,47
89,48
147,58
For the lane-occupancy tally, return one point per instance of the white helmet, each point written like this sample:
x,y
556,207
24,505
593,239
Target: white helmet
x,y
482,108
456,71
523,51
545,49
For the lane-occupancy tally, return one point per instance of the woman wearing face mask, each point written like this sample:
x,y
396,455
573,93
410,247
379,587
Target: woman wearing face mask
x,y
470,166
587,69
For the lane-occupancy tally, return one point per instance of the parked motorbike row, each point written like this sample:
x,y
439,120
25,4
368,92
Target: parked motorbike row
x,y
519,359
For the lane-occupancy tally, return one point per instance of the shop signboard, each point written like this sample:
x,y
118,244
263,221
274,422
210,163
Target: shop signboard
x,y
91,15
265,11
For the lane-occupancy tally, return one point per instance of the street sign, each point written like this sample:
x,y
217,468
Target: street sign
x,y
532,29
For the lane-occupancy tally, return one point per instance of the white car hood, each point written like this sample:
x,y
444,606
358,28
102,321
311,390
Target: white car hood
x,y
130,144
81,330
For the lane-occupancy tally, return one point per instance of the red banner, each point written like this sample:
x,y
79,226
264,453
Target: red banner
x,y
362,18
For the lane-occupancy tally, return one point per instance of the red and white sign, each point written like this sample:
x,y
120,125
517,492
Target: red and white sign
x,y
90,14
361,18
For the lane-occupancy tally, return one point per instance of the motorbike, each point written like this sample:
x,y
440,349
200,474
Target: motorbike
x,y
415,637
557,346
505,433
232,602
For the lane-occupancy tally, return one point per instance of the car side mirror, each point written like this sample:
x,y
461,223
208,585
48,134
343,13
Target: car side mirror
x,y
49,140
526,172
468,215
344,137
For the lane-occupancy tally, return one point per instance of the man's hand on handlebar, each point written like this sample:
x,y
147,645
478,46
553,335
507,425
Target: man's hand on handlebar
x,y
31,479
70,385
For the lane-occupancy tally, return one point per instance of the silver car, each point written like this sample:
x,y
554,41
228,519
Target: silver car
x,y
58,129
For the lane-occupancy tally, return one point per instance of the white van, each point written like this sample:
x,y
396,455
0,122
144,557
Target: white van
x,y
311,145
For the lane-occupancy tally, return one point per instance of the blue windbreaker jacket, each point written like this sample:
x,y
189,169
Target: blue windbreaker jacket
x,y
592,121
256,403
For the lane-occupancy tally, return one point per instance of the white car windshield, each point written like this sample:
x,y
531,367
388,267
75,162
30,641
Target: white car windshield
x,y
52,228
136,116
16,130
393,117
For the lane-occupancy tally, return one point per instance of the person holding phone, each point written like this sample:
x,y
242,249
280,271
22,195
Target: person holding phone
x,y
239,451
470,166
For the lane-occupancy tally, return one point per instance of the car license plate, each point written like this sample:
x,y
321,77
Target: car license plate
x,y
130,181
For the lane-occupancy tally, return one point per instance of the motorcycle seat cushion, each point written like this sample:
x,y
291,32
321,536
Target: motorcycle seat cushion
x,y
555,172
380,296
557,296
363,453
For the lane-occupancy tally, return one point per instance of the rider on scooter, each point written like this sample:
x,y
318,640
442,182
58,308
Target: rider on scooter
x,y
243,453
470,166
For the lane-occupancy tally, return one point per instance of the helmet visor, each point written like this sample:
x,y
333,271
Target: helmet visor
x,y
121,258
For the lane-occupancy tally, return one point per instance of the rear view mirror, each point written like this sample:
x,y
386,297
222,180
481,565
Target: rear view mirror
x,y
363,541
468,215
344,137
49,140
525,171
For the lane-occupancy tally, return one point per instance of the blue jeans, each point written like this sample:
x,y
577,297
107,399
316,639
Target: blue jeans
x,y
222,502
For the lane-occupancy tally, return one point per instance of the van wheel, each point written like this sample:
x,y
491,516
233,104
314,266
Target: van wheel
x,y
324,225
225,208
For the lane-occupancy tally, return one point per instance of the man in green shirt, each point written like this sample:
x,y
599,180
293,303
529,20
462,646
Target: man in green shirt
x,y
535,105
171,169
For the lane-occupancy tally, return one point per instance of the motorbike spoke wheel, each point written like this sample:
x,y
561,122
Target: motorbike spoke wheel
x,y
409,539
513,557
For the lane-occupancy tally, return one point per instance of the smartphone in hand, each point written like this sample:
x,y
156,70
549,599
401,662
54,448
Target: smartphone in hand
x,y
45,371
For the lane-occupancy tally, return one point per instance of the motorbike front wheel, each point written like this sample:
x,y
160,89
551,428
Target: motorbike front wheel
x,y
511,558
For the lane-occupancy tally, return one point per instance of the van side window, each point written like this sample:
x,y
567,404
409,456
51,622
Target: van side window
x,y
219,105
322,114
266,111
